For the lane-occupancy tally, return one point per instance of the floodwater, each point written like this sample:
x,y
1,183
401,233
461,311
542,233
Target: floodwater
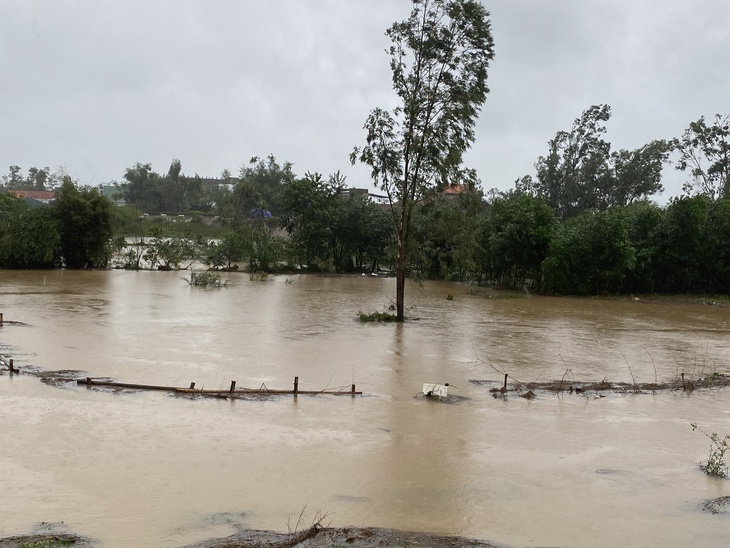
x,y
146,469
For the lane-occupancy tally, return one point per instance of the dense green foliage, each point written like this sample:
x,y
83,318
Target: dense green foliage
x,y
580,172
172,193
330,230
84,226
75,231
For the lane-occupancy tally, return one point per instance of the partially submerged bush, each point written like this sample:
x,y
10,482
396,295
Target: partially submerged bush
x,y
715,465
376,317
205,278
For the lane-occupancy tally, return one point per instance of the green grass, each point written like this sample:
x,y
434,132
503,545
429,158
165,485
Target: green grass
x,y
51,543
379,317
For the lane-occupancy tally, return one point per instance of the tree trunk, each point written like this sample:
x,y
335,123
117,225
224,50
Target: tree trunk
x,y
400,279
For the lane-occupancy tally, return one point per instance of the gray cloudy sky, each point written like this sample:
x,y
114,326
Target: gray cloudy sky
x,y
95,86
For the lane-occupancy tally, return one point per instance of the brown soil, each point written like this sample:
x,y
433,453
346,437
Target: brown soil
x,y
317,536
314,537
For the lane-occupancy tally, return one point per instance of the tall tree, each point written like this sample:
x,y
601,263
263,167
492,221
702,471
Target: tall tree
x,y
85,225
439,60
268,178
590,254
516,239
637,174
143,188
576,164
704,150
580,172
311,208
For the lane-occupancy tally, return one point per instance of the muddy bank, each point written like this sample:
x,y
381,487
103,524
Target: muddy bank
x,y
315,536
45,540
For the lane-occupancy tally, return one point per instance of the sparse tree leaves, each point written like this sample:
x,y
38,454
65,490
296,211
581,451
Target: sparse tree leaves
x,y
704,151
439,58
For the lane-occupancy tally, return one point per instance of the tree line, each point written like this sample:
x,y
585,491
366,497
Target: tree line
x,y
584,224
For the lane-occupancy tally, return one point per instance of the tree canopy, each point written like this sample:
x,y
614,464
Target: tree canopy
x,y
705,152
580,172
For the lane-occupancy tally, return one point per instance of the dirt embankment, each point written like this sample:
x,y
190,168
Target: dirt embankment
x,y
314,537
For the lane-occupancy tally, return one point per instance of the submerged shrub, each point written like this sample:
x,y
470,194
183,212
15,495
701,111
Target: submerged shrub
x,y
205,278
376,317
715,465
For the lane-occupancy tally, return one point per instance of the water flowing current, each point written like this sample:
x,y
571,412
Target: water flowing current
x,y
147,469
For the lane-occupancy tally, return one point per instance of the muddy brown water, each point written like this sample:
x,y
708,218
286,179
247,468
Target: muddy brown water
x,y
145,469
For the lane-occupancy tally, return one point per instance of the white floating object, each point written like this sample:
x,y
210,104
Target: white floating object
x,y
440,390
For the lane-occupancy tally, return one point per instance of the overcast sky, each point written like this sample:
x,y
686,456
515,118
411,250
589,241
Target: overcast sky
x,y
96,86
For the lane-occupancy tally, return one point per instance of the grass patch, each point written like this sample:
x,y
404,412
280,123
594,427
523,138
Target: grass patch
x,y
379,317
49,543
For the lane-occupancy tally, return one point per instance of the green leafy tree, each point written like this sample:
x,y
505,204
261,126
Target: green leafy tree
x,y
85,226
165,251
446,237
268,179
576,164
231,249
590,254
362,234
516,239
265,250
29,237
704,151
439,60
718,247
645,220
143,188
310,212
685,245
636,174
580,172
14,178
244,199
179,193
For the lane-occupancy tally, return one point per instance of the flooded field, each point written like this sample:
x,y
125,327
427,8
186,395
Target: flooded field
x,y
146,469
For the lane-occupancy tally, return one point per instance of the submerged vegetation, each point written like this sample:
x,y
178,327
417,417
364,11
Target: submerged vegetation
x,y
205,278
715,464
380,317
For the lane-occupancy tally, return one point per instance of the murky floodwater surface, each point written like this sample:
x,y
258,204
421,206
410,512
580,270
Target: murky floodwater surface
x,y
146,469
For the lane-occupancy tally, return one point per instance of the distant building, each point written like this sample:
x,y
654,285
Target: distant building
x,y
34,197
348,193
114,193
454,192
209,184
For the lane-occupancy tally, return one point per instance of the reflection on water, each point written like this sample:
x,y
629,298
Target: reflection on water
x,y
146,469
